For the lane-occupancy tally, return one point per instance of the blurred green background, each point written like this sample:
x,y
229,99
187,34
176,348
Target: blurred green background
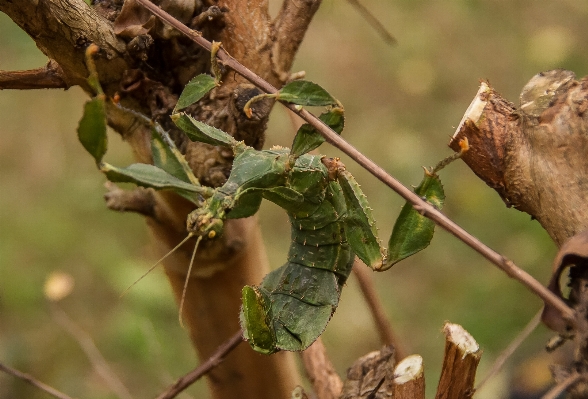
x,y
402,105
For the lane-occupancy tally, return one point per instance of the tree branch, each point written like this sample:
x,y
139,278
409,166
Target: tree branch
x,y
48,77
337,141
290,26
366,285
62,29
214,360
97,361
33,381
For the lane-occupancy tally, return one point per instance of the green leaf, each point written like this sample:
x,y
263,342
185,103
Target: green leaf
x,y
412,231
302,92
92,129
164,158
308,138
146,175
196,88
199,131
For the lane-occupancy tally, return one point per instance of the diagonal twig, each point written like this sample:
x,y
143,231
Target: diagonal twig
x,y
557,390
337,141
33,381
511,348
373,21
214,360
89,347
366,285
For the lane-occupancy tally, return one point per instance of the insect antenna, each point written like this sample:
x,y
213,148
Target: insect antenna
x,y
157,263
188,279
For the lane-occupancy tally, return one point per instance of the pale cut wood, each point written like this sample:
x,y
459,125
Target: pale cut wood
x,y
462,355
326,382
409,378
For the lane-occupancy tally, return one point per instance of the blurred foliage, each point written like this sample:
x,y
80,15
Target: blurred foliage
x,y
402,104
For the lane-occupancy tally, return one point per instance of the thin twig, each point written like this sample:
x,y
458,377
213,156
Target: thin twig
x,y
373,21
33,381
214,360
94,356
511,348
337,141
48,77
557,390
370,295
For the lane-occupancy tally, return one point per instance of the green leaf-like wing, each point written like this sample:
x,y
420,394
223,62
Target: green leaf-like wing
x,y
308,138
200,131
412,231
360,226
302,92
151,176
92,129
196,88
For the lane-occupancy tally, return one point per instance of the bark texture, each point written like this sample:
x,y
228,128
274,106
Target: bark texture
x,y
534,156
460,362
147,64
371,376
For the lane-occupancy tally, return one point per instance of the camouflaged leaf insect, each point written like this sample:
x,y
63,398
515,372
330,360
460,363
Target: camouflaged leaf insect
x,y
330,221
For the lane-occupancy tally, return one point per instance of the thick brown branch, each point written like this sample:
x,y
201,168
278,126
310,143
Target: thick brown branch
x,y
534,157
289,29
62,29
48,77
214,360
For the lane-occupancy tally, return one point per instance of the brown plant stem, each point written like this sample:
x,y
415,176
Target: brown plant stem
x,y
326,382
214,360
511,348
462,355
373,21
48,77
366,285
33,381
557,390
96,359
337,141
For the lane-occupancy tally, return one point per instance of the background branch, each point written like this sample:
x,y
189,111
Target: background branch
x,y
214,360
33,381
366,285
48,77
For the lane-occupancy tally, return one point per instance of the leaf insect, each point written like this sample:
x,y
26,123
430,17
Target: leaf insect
x,y
329,215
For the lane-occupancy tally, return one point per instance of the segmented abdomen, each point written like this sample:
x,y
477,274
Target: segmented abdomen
x,y
298,299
